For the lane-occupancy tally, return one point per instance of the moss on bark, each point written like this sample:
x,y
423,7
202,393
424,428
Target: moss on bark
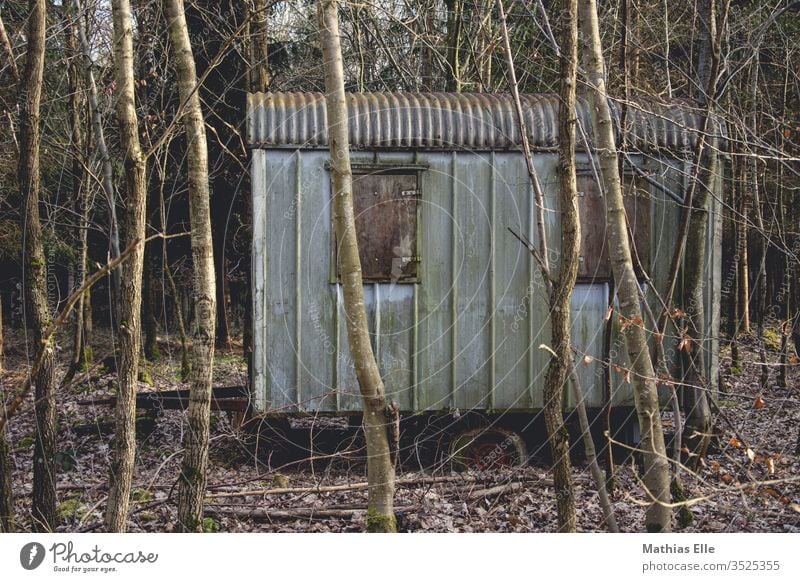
x,y
378,523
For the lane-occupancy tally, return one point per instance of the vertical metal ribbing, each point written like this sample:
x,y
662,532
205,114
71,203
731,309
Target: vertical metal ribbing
x,y
258,274
414,351
454,283
529,294
492,290
376,288
298,296
337,330
415,303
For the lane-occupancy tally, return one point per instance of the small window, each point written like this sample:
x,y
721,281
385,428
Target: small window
x,y
385,204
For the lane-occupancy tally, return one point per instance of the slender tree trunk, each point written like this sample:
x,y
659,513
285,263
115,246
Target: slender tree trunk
x,y
6,491
186,366
427,22
223,339
147,20
455,9
79,192
257,80
563,286
565,367
697,429
735,309
131,280
7,53
2,339
87,325
656,467
380,470
150,305
742,244
259,47
559,292
761,277
44,477
105,158
192,487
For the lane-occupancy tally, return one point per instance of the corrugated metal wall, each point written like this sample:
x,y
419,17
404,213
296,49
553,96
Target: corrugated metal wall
x,y
468,335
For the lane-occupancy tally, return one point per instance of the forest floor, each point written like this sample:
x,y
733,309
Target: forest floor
x,y
751,481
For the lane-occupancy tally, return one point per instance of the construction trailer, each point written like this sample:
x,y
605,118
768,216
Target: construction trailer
x,y
456,304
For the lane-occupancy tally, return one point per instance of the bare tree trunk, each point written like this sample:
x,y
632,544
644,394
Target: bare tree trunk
x,y
259,47
44,478
87,324
192,487
380,470
79,192
150,305
427,24
223,333
742,243
105,158
2,339
697,429
559,292
736,309
761,277
656,465
258,80
147,20
6,491
563,286
186,366
131,280
455,11
789,280
7,53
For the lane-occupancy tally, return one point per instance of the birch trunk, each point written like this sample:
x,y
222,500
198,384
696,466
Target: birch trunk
x,y
380,470
130,298
195,460
656,466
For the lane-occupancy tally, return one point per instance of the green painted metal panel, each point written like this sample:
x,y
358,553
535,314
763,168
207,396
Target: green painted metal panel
x,y
467,335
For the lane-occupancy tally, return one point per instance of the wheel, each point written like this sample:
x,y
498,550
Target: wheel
x,y
487,447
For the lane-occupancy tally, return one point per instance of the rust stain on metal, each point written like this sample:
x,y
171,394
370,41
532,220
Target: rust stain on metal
x,y
385,206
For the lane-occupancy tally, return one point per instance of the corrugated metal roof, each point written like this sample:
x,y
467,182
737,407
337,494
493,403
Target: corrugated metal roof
x,y
446,121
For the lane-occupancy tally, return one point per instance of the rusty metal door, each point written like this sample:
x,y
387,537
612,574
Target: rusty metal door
x,y
385,207
594,261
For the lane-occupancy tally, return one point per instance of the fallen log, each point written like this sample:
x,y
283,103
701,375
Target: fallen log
x,y
512,487
295,513
466,479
